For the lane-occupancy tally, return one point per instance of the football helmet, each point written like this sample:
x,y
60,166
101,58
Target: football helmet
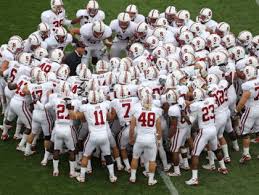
x,y
98,29
102,66
124,78
64,89
162,63
14,45
172,65
185,38
110,79
40,53
152,73
252,61
171,49
205,15
60,34
25,58
199,82
34,41
183,16
124,20
121,91
132,10
199,94
92,8
152,42
237,53
170,13
40,77
135,72
57,6
212,79
171,96
63,72
160,52
187,49
160,33
222,29
115,63
136,50
44,30
244,38
198,44
141,30
57,55
85,74
93,84
147,102
161,22
93,97
143,65
220,59
250,72
80,67
188,59
229,41
255,42
213,41
197,28
153,15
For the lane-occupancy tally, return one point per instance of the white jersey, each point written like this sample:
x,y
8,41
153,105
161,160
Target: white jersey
x,y
96,117
203,111
241,64
146,123
175,111
6,55
27,45
41,92
139,18
52,42
202,54
54,20
122,34
11,72
154,85
211,24
75,83
253,87
221,97
48,66
88,37
21,83
124,108
86,18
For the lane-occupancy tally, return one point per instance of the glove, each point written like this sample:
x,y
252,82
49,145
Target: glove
x,y
68,103
181,103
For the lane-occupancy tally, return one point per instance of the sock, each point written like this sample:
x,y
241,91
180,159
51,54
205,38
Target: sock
x,y
194,174
89,165
151,177
177,169
46,155
185,162
222,164
118,161
55,165
72,165
211,157
23,141
80,155
133,173
111,169
235,144
34,140
5,129
147,167
163,157
246,151
225,150
82,172
18,129
126,162
28,147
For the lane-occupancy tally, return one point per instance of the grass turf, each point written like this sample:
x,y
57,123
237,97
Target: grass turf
x,y
20,175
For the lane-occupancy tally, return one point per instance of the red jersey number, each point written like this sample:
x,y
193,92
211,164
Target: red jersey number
x,y
208,113
99,120
127,106
147,119
61,112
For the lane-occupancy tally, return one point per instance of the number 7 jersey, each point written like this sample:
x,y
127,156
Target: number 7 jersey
x,y
253,87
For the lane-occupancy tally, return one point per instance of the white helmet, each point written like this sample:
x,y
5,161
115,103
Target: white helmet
x,y
212,88
110,79
213,41
255,41
185,38
179,75
229,41
183,17
199,94
124,65
40,53
212,79
222,29
187,49
33,73
205,15
170,13
16,37
56,5
93,97
25,58
161,22
135,72
252,61
132,10
127,60
80,67
60,34
143,65
188,59
141,30
143,91
64,89
63,72
85,74
153,15
51,76
124,20
151,42
102,66
56,55
220,59
14,45
172,65
197,28
136,50
34,41
40,77
162,63
92,7
44,30
199,82
171,49
98,29
93,84
152,73
245,37
170,82
237,53
121,91
160,33
124,78
160,52
171,96
250,72
198,44
115,63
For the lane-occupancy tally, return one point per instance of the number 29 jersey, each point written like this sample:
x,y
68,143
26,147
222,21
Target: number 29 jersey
x,y
146,123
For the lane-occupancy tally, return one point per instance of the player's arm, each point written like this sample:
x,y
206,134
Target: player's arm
x,y
131,132
173,126
4,67
113,114
26,90
158,129
245,96
76,115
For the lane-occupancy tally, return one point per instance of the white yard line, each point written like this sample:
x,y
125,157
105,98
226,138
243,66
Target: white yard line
x,y
170,186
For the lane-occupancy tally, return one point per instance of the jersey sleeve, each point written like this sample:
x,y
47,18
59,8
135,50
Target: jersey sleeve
x,y
174,111
113,25
45,17
246,86
102,15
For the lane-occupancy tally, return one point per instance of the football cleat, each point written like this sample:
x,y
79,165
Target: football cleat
x,y
173,174
20,148
89,171
29,153
192,182
184,167
4,137
153,182
223,171
167,168
74,175
55,173
227,160
209,167
113,179
132,180
80,179
145,173
17,136
44,162
245,158
127,170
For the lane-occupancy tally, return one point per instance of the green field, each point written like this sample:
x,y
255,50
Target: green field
x,y
20,175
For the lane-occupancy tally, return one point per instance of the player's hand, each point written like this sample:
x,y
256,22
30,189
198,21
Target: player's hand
x,y
131,141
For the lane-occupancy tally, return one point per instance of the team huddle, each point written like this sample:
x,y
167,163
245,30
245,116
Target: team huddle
x,y
182,88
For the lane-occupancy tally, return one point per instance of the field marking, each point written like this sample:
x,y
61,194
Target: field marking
x,y
169,184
